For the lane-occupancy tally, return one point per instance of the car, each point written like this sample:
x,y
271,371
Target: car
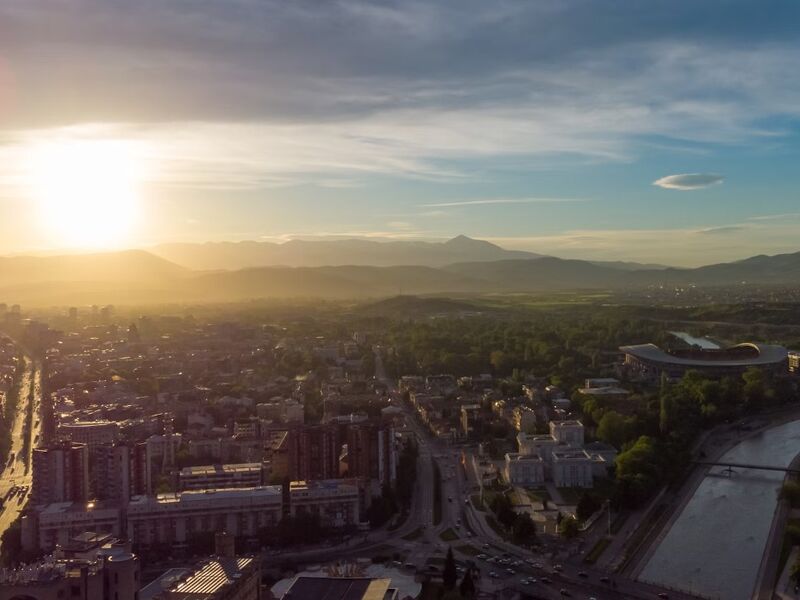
x,y
558,568
525,581
583,574
510,571
449,498
663,595
491,559
605,579
564,592
481,556
493,575
546,580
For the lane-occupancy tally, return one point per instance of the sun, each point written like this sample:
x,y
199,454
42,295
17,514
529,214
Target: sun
x,y
87,191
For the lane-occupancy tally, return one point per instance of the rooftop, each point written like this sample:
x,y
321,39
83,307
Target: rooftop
x,y
264,491
211,577
741,355
221,469
571,455
336,588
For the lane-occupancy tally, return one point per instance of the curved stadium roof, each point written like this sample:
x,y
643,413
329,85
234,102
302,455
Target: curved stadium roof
x,y
767,355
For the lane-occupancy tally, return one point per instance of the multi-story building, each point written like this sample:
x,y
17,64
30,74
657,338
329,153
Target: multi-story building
x,y
175,518
218,578
56,524
572,468
539,444
109,572
110,468
340,588
245,475
524,469
567,432
313,452
470,417
794,362
335,502
154,458
61,474
371,452
91,433
293,411
524,418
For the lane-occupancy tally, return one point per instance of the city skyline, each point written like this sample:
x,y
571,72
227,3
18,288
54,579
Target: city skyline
x,y
665,133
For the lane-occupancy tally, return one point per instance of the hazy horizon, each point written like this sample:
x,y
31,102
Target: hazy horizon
x,y
663,133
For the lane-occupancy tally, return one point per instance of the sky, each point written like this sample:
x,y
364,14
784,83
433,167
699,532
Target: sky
x,y
659,131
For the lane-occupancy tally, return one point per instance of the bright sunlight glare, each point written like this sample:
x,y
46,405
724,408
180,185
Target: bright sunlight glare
x,y
86,190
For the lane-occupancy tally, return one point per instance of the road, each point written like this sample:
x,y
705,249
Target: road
x,y
17,472
461,518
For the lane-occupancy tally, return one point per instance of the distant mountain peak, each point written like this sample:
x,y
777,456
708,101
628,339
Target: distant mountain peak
x,y
463,241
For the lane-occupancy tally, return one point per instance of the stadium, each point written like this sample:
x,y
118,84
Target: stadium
x,y
648,361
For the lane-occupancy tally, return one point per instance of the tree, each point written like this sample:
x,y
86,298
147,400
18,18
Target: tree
x,y
523,531
467,587
639,471
588,504
568,527
449,574
613,429
791,492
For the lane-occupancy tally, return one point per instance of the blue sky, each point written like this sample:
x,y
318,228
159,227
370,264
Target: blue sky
x,y
538,125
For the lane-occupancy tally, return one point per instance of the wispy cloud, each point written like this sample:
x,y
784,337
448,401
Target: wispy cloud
x,y
778,217
688,181
503,201
678,247
723,229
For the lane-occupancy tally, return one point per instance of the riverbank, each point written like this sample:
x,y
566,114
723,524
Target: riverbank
x,y
718,442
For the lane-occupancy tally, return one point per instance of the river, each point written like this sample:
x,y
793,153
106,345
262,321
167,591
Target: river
x,y
715,545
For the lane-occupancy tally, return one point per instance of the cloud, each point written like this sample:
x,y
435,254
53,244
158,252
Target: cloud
x,y
688,247
502,201
688,181
408,89
724,229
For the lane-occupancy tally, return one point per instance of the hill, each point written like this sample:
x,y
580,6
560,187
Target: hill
x,y
320,253
125,266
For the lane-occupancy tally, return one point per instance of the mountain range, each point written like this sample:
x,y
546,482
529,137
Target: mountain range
x,y
138,276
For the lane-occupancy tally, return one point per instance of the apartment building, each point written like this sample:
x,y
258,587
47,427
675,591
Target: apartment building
x,y
174,518
244,475
335,502
60,474
91,433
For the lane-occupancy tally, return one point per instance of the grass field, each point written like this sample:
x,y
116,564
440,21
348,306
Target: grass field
x,y
597,550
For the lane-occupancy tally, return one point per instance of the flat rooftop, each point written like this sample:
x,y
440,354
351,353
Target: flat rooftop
x,y
208,470
200,495
337,588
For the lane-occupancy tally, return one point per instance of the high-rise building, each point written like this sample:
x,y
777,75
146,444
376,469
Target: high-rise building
x,y
371,452
110,467
61,474
314,452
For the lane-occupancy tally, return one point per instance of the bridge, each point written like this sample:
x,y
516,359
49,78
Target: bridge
x,y
730,466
